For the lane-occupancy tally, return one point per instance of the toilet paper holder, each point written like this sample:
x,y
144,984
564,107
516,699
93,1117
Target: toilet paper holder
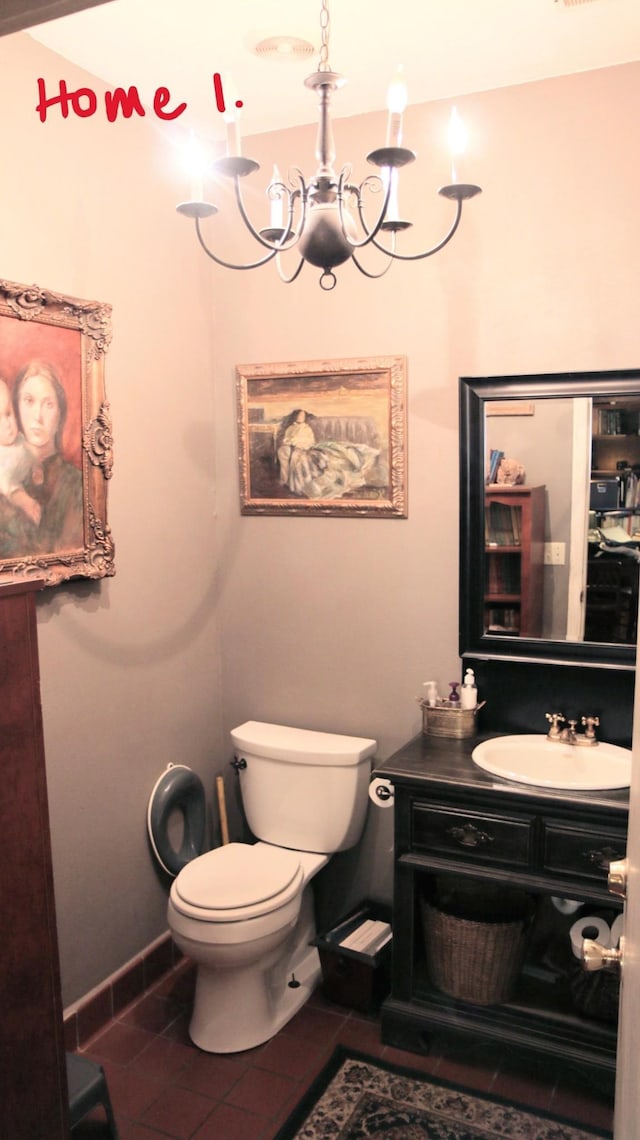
x,y
381,792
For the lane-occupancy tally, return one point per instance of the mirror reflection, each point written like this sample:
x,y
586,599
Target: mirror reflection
x,y
551,477
614,522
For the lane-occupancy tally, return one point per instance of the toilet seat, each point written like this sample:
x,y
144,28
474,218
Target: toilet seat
x,y
178,789
236,882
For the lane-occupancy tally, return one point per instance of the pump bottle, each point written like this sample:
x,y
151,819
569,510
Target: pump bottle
x,y
469,691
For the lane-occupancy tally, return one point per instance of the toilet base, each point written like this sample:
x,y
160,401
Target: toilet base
x,y
240,1009
244,994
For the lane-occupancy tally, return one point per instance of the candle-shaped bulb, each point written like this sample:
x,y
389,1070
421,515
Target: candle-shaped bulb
x,y
396,105
231,118
457,140
196,165
275,193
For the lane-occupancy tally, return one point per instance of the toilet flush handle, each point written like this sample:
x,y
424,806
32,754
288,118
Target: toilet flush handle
x,y
238,764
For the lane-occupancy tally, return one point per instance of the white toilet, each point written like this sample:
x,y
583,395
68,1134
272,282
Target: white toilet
x,y
244,912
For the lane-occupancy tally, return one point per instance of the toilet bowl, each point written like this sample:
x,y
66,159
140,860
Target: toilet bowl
x,y
244,912
255,965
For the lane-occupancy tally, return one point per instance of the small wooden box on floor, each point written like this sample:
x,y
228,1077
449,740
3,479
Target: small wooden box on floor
x,y
349,977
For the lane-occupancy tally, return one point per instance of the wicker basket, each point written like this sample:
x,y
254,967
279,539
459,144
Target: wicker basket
x,y
449,720
473,960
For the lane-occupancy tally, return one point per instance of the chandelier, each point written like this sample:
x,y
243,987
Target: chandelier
x,y
323,219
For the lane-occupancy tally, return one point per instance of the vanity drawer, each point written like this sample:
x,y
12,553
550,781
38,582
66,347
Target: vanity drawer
x,y
473,835
574,852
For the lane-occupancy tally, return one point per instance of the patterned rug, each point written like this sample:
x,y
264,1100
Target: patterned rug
x,y
357,1097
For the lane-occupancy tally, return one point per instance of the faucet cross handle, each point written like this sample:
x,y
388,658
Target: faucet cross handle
x,y
554,720
590,723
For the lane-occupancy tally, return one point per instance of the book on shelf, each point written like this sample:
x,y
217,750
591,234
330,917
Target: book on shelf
x,y
616,421
502,524
503,574
495,458
502,619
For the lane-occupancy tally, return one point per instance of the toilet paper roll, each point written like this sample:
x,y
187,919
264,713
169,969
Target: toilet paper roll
x,y
589,923
565,906
381,793
617,930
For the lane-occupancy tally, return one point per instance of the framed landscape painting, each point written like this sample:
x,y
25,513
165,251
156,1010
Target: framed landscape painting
x,y
56,447
323,437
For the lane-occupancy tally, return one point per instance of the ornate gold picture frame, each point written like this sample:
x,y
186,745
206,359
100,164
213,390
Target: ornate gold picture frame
x,y
323,437
56,446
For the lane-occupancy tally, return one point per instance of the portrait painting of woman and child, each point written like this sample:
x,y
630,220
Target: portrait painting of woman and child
x,y
55,437
323,437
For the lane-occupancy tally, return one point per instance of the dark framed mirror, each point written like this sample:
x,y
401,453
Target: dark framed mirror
x,y
550,517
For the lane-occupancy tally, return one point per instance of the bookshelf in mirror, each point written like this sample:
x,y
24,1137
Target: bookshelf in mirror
x,y
514,557
615,434
612,576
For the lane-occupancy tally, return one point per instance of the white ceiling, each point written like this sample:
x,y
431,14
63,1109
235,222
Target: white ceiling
x,y
447,48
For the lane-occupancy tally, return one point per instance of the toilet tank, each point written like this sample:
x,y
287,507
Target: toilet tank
x,y
302,789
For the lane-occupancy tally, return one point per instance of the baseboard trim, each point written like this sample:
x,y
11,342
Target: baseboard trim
x,y
86,1017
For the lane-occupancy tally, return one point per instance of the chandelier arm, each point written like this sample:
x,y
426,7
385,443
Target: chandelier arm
x,y
303,194
228,264
357,190
287,231
366,272
300,191
296,272
256,233
280,245
427,252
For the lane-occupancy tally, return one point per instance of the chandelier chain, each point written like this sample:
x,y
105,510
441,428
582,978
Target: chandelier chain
x,y
323,64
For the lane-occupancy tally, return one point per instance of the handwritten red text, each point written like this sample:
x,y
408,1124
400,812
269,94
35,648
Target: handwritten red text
x,y
83,102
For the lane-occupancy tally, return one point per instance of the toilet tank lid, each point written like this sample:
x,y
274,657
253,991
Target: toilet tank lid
x,y
301,745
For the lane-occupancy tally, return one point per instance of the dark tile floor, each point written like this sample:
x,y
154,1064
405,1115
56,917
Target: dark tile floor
x,y
163,1086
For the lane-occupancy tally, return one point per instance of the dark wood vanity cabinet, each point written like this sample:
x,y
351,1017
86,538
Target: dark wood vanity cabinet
x,y
454,820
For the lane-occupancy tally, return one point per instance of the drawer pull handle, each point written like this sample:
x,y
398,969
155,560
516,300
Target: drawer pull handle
x,y
469,836
602,858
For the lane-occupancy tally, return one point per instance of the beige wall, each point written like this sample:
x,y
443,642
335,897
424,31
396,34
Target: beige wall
x,y
130,667
335,623
326,623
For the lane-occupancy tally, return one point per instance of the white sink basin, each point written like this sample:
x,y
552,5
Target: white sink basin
x,y
536,760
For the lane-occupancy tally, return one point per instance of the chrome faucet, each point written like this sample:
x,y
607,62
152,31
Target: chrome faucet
x,y
568,734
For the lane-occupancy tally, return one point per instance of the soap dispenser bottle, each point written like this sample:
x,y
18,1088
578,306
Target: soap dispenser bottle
x,y
469,691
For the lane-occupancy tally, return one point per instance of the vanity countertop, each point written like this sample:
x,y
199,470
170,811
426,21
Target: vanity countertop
x,y
439,763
